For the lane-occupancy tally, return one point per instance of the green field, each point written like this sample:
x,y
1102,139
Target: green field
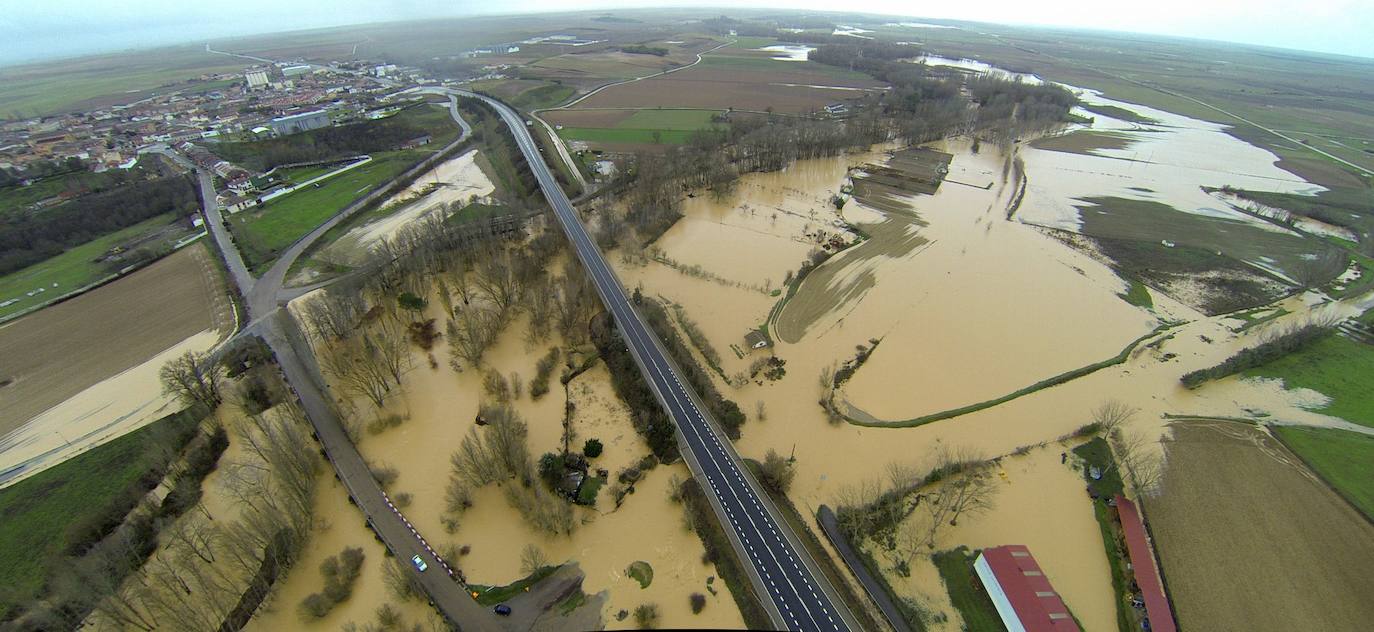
x,y
19,197
972,602
749,42
1345,459
1335,366
264,232
73,269
617,135
543,96
674,127
73,85
687,120
41,515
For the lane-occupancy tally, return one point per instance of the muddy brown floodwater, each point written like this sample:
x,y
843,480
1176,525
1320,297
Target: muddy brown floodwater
x,y
1042,504
442,406
984,308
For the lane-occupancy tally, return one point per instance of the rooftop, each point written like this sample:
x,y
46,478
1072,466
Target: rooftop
x,y
1026,595
1143,563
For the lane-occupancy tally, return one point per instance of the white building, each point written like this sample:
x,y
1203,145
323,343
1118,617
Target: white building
x,y
256,79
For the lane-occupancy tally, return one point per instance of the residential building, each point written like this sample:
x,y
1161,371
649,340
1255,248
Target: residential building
x,y
296,123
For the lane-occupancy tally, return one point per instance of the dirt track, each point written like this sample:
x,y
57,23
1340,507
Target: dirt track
x,y
59,351
1249,541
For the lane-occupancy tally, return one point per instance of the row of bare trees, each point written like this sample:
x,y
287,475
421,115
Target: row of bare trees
x,y
204,563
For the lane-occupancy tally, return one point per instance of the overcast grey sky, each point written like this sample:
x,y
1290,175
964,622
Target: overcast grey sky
x,y
60,28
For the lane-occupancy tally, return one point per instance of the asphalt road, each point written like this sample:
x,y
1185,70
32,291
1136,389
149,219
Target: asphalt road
x,y
793,589
400,537
294,357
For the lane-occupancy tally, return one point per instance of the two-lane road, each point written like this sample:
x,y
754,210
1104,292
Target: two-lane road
x,y
786,579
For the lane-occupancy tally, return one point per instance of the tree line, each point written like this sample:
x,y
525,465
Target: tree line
x,y
1275,344
327,143
30,237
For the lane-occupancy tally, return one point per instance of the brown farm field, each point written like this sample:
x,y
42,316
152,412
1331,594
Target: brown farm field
x,y
586,118
784,88
61,350
1235,505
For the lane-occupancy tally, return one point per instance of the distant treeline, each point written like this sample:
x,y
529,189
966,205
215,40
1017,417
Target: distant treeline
x,y
1289,340
325,143
640,49
30,237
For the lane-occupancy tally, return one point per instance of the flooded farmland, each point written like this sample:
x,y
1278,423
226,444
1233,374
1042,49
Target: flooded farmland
x,y
440,407
967,306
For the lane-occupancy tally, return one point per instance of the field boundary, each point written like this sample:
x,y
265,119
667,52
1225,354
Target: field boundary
x,y
1308,464
1062,378
98,283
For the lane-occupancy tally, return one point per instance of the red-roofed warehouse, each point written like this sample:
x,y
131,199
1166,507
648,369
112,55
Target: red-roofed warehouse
x,y
1023,595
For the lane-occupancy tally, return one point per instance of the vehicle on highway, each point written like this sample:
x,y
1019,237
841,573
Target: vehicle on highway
x,y
502,609
419,563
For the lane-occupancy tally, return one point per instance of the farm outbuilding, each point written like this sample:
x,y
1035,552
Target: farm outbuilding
x,y
1024,598
1157,608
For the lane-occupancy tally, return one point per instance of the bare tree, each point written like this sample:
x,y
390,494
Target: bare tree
x,y
496,452
335,314
1141,463
359,369
1316,269
389,340
472,332
194,378
496,278
532,559
401,580
1111,414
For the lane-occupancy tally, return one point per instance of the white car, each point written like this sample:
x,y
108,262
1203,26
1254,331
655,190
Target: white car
x,y
419,563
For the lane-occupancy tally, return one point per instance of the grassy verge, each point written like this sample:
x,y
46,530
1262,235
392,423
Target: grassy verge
x,y
71,270
972,602
1344,459
1097,453
1042,384
1335,366
59,512
492,595
545,96
1137,294
265,231
720,552
857,604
